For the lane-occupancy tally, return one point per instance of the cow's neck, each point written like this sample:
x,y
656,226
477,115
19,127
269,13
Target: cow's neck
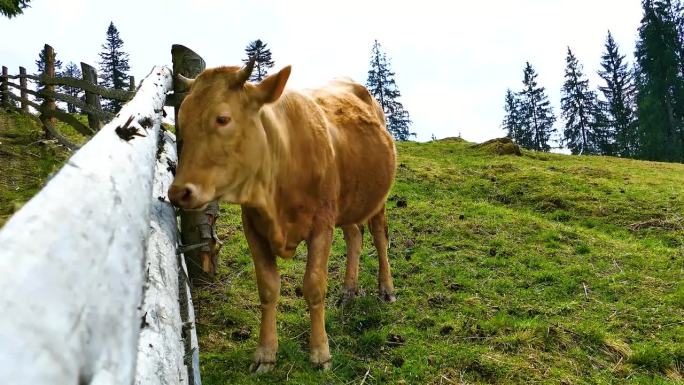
x,y
261,191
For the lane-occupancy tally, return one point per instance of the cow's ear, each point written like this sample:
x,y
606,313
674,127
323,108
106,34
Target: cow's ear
x,y
270,89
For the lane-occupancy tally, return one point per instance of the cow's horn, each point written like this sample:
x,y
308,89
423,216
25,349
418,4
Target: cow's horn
x,y
246,71
185,81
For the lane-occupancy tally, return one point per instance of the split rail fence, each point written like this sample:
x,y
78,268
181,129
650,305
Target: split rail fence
x,y
46,90
94,286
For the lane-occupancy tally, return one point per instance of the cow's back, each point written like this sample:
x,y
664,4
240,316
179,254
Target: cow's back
x,y
364,150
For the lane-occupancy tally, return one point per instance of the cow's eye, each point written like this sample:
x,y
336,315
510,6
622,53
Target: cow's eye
x,y
222,120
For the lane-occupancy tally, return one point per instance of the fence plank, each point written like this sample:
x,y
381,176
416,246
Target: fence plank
x,y
197,227
109,93
91,98
48,102
104,115
23,87
4,89
71,262
160,350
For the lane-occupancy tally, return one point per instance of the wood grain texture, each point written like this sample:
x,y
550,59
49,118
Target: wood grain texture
x,y
72,261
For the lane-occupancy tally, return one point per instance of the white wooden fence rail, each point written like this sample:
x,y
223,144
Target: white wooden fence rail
x,y
89,276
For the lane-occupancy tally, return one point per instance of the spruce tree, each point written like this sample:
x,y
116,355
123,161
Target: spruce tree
x,y
383,87
512,121
660,97
257,49
72,70
579,110
677,12
536,113
113,65
11,8
618,100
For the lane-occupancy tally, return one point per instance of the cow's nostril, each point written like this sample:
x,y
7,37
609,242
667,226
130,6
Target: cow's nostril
x,y
186,194
181,195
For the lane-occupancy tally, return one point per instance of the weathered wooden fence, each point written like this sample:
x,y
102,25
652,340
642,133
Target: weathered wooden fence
x,y
92,289
45,90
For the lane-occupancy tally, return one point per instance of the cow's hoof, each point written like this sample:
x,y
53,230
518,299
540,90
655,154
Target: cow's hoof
x,y
262,367
387,295
320,358
264,361
347,296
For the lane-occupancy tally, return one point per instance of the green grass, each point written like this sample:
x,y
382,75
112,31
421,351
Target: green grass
x,y
26,159
540,269
543,269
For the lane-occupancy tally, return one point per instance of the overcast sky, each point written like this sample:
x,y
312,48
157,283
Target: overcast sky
x,y
453,59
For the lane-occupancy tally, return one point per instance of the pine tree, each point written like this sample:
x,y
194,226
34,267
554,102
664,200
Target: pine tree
x,y
72,70
113,65
579,110
660,97
11,8
263,62
677,12
512,121
383,87
536,113
618,103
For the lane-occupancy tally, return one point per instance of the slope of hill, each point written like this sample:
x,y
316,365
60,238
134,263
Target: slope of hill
x,y
509,269
26,160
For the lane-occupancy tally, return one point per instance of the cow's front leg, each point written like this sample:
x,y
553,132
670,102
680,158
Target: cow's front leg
x,y
268,284
315,287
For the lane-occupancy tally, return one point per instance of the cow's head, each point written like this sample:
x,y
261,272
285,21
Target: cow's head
x,y
223,140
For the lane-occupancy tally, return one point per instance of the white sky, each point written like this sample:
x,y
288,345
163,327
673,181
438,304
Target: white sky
x,y
453,59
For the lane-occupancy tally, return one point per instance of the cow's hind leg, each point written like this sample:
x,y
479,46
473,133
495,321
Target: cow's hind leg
x,y
268,284
353,237
315,287
379,230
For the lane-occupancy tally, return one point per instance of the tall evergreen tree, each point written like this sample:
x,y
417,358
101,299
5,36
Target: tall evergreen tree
x,y
72,70
263,62
113,65
579,110
660,98
512,122
618,100
536,113
11,8
383,87
677,12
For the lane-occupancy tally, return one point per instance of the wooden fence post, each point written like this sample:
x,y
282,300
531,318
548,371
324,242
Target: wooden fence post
x,y
4,88
23,85
90,75
49,102
197,227
131,83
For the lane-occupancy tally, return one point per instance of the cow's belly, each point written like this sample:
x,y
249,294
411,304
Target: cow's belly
x,y
364,189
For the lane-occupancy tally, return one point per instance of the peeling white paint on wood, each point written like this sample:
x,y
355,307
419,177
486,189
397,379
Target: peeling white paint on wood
x,y
161,351
72,262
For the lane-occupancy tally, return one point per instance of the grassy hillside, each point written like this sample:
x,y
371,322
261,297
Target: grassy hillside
x,y
509,270
26,160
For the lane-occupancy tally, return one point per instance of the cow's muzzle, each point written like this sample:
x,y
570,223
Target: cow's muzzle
x,y
184,196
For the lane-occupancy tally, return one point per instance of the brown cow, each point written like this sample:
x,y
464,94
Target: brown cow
x,y
299,163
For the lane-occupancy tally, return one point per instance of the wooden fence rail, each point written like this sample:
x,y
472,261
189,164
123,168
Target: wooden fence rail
x,y
89,274
46,90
